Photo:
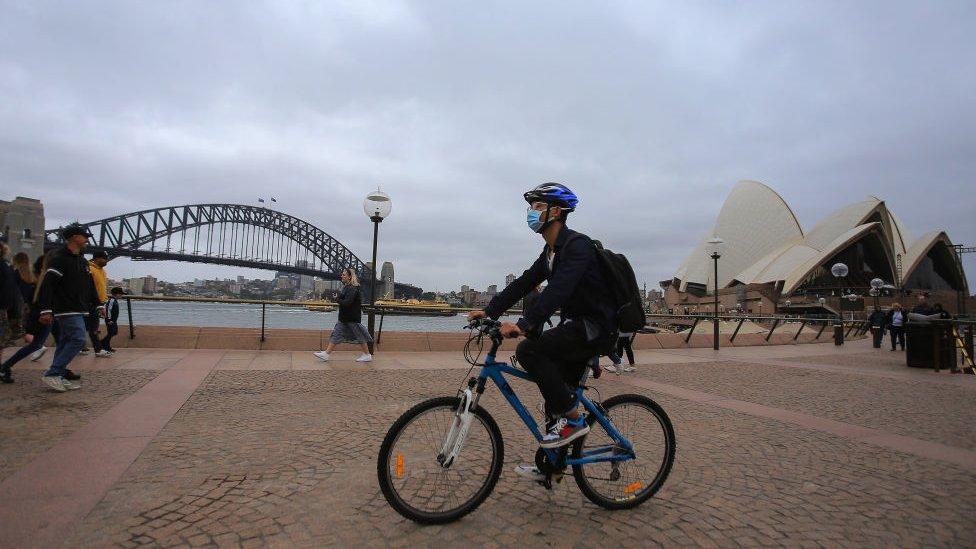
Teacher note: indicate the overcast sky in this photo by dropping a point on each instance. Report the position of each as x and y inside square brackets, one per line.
[650, 111]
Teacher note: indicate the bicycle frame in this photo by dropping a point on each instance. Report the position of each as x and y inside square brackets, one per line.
[495, 371]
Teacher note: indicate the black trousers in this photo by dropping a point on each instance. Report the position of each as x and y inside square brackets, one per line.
[113, 330]
[556, 360]
[91, 324]
[897, 336]
[624, 344]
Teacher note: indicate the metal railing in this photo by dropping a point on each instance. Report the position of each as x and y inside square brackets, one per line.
[851, 327]
[381, 311]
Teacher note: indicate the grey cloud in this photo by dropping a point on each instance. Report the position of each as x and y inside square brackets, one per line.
[650, 111]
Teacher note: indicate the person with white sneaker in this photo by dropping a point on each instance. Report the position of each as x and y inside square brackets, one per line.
[349, 328]
[67, 293]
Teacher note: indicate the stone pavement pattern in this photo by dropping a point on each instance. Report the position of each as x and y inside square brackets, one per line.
[277, 449]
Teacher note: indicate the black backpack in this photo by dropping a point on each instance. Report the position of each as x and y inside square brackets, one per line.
[620, 278]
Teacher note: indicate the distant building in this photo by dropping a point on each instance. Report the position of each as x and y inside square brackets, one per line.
[509, 279]
[143, 285]
[492, 290]
[465, 289]
[386, 279]
[22, 225]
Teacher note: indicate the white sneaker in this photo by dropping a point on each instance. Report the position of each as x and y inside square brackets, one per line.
[103, 353]
[84, 351]
[530, 472]
[610, 368]
[69, 385]
[365, 357]
[38, 354]
[628, 368]
[322, 355]
[54, 382]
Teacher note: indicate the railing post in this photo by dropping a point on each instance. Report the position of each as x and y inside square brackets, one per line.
[132, 327]
[379, 333]
[263, 307]
[736, 331]
[692, 330]
[773, 329]
[822, 328]
[797, 335]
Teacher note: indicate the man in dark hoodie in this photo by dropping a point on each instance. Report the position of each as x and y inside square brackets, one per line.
[67, 293]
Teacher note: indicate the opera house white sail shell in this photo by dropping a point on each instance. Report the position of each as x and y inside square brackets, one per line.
[765, 244]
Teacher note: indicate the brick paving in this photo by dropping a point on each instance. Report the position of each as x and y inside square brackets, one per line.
[275, 449]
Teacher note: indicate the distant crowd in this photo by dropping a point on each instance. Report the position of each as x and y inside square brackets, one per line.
[62, 294]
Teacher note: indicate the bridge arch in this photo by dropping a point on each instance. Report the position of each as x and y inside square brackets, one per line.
[223, 234]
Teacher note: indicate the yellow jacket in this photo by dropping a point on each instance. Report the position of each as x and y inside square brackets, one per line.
[101, 282]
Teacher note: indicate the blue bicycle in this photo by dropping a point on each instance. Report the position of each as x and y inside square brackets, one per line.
[442, 458]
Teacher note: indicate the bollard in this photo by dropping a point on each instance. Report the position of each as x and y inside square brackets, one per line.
[839, 334]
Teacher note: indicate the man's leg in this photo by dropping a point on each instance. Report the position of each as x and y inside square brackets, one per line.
[549, 358]
[91, 324]
[71, 340]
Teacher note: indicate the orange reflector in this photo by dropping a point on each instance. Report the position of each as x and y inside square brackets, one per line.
[399, 466]
[633, 488]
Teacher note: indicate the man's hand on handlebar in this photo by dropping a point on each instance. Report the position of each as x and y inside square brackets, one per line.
[509, 330]
[475, 315]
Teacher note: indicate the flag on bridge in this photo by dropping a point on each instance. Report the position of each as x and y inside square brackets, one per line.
[261, 200]
[273, 199]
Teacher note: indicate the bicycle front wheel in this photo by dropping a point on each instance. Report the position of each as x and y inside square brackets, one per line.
[627, 484]
[413, 480]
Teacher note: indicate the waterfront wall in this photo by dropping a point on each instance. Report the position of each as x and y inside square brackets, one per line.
[192, 337]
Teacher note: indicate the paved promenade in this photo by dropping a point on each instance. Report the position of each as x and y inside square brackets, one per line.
[800, 445]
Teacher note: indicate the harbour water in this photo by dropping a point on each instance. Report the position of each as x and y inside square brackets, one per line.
[240, 315]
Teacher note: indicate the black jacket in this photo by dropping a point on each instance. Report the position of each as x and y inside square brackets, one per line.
[67, 287]
[112, 310]
[576, 287]
[350, 304]
[8, 287]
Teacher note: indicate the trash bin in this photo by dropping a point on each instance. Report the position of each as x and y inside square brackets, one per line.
[930, 345]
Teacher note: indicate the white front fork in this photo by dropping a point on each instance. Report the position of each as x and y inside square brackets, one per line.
[458, 432]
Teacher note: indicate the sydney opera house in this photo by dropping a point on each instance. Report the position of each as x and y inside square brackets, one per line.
[769, 260]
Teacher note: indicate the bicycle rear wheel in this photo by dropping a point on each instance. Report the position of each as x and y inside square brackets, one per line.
[415, 483]
[627, 484]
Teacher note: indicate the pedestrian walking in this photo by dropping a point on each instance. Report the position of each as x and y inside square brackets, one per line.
[624, 344]
[349, 328]
[97, 267]
[895, 322]
[111, 319]
[877, 323]
[37, 333]
[25, 282]
[67, 293]
[8, 296]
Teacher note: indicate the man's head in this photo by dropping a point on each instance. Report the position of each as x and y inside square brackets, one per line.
[100, 258]
[76, 236]
[549, 203]
[923, 299]
[116, 292]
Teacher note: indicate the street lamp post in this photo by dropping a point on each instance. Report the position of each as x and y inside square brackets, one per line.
[377, 207]
[839, 270]
[715, 252]
[875, 291]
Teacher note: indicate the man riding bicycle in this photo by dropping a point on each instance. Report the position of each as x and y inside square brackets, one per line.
[577, 288]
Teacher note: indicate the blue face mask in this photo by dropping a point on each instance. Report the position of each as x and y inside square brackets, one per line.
[533, 219]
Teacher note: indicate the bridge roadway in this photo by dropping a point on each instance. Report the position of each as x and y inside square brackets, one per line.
[800, 445]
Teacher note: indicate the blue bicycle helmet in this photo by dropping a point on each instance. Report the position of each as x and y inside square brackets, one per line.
[554, 194]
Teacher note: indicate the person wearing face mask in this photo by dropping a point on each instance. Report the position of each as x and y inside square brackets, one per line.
[578, 289]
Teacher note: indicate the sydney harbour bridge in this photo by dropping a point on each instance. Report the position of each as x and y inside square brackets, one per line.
[224, 234]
